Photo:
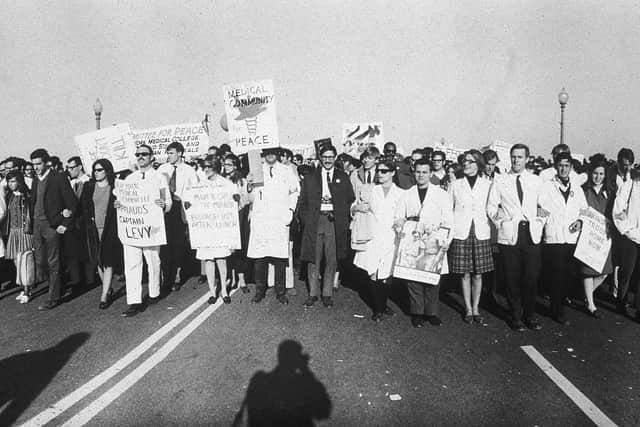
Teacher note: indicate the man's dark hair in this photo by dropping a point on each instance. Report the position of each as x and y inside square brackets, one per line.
[390, 144]
[423, 161]
[75, 159]
[41, 154]
[560, 148]
[626, 153]
[285, 152]
[519, 147]
[564, 155]
[439, 153]
[489, 155]
[326, 148]
[147, 147]
[176, 146]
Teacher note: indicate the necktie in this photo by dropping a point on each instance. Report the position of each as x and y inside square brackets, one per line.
[519, 189]
[369, 177]
[142, 175]
[329, 181]
[271, 171]
[172, 180]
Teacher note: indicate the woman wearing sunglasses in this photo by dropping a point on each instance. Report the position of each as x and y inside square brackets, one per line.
[377, 257]
[99, 227]
[470, 254]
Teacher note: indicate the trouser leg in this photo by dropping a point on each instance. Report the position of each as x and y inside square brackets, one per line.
[529, 279]
[260, 269]
[331, 259]
[279, 270]
[416, 297]
[152, 256]
[626, 255]
[313, 268]
[432, 300]
[53, 243]
[512, 262]
[133, 273]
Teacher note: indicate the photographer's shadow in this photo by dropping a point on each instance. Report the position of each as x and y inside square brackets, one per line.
[290, 395]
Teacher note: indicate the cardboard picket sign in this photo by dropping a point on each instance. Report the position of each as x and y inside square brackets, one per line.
[193, 137]
[140, 220]
[113, 143]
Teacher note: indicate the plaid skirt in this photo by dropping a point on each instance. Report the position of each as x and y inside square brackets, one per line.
[470, 255]
[17, 243]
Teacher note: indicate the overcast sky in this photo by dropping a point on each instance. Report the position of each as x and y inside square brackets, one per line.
[470, 72]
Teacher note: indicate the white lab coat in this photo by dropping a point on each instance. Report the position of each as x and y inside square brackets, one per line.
[470, 204]
[505, 210]
[272, 207]
[435, 211]
[561, 214]
[3, 213]
[378, 253]
[626, 210]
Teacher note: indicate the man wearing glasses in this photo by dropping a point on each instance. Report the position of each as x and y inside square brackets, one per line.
[325, 201]
[157, 185]
[77, 176]
[439, 171]
[51, 195]
[180, 176]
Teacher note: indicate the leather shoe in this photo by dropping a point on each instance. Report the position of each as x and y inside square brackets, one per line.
[212, 300]
[478, 319]
[50, 305]
[377, 317]
[562, 320]
[468, 319]
[257, 298]
[533, 324]
[417, 321]
[176, 287]
[282, 299]
[310, 301]
[518, 326]
[131, 311]
[327, 301]
[434, 320]
[389, 311]
[597, 314]
[226, 300]
[153, 300]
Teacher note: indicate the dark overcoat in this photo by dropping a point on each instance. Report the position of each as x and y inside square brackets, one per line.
[106, 252]
[309, 206]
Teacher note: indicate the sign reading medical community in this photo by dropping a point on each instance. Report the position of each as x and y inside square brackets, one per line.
[140, 220]
[251, 115]
[192, 136]
[113, 143]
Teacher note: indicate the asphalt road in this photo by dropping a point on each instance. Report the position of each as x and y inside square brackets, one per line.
[337, 367]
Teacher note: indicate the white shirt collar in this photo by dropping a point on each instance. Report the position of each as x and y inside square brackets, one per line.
[44, 176]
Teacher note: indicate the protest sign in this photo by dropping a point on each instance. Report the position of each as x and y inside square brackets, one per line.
[420, 254]
[113, 143]
[192, 136]
[213, 215]
[251, 115]
[594, 242]
[140, 220]
[357, 137]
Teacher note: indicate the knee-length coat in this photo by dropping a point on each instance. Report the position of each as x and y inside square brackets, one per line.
[310, 199]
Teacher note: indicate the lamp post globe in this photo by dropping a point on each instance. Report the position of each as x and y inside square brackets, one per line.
[97, 109]
[563, 98]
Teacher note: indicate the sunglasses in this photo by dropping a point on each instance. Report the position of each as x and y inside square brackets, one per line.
[72, 167]
[98, 170]
[143, 154]
[208, 166]
[229, 164]
[383, 170]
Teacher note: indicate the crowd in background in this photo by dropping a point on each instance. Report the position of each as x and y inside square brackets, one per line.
[337, 219]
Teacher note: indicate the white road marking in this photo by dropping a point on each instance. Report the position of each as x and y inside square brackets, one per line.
[596, 415]
[68, 401]
[84, 416]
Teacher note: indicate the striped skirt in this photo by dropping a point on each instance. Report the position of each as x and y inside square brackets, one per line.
[470, 255]
[17, 243]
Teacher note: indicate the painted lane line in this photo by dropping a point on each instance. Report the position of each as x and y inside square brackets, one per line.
[596, 415]
[95, 407]
[68, 401]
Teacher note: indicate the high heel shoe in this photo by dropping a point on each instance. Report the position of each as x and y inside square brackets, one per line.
[226, 300]
[105, 304]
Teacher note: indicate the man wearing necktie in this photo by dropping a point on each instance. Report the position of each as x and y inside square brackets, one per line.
[325, 200]
[513, 206]
[173, 255]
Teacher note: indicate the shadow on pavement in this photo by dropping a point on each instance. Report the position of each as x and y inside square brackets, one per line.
[290, 395]
[25, 375]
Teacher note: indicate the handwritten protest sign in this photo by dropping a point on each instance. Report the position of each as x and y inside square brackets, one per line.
[251, 115]
[213, 216]
[420, 254]
[113, 143]
[140, 220]
[192, 136]
[357, 137]
[594, 242]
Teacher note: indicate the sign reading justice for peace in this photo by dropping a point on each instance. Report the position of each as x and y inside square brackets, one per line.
[140, 220]
[251, 115]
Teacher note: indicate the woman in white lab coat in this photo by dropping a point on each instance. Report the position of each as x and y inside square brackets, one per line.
[377, 257]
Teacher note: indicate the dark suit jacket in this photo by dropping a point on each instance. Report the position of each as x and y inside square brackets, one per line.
[309, 205]
[57, 197]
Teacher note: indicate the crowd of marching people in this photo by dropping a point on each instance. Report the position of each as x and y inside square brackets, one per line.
[335, 218]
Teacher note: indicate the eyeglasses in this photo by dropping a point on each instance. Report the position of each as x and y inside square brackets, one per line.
[98, 170]
[383, 170]
[438, 160]
[327, 157]
[229, 164]
[466, 161]
[146, 154]
[72, 167]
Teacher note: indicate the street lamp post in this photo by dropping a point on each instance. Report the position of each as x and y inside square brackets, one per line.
[97, 109]
[563, 98]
